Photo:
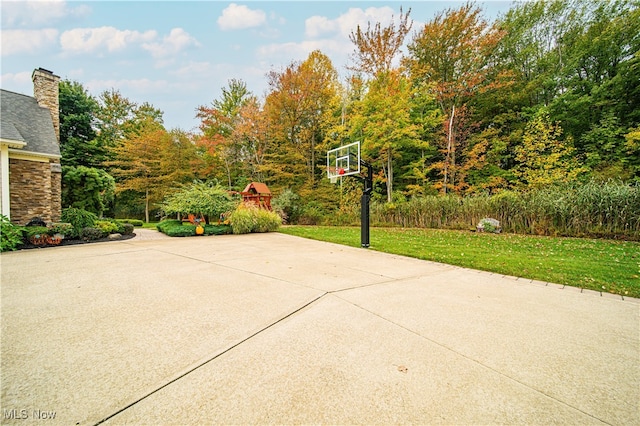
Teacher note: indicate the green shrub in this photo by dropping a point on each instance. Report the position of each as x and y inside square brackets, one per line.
[61, 228]
[91, 234]
[107, 227]
[10, 235]
[127, 229]
[201, 199]
[176, 228]
[87, 188]
[247, 218]
[288, 206]
[242, 220]
[312, 214]
[217, 229]
[34, 231]
[119, 226]
[266, 221]
[182, 231]
[134, 222]
[166, 224]
[79, 219]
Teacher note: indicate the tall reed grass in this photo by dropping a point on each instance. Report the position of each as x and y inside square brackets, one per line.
[593, 209]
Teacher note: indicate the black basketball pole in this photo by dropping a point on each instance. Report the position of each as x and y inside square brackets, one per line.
[364, 205]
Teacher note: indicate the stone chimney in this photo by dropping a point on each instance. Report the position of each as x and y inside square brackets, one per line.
[45, 90]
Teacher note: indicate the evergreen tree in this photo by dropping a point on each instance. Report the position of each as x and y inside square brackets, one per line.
[77, 126]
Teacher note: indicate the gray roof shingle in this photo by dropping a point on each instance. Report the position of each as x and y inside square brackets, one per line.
[22, 119]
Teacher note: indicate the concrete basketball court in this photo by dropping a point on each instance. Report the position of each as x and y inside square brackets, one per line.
[274, 329]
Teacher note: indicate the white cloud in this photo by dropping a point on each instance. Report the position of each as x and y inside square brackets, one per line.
[21, 81]
[280, 20]
[319, 25]
[177, 40]
[331, 36]
[204, 79]
[75, 74]
[91, 40]
[287, 52]
[348, 22]
[238, 17]
[39, 13]
[27, 41]
[193, 68]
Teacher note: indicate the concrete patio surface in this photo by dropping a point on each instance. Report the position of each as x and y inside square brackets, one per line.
[275, 329]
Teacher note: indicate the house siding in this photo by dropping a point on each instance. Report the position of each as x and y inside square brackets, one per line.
[56, 190]
[33, 191]
[30, 135]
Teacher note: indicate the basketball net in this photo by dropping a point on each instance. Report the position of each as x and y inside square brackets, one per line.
[334, 174]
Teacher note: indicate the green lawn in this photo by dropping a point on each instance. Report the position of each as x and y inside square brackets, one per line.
[602, 265]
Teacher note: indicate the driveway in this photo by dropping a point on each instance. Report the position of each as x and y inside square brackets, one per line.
[270, 328]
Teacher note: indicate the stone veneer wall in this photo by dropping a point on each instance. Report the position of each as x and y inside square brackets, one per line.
[46, 92]
[31, 191]
[56, 190]
[39, 192]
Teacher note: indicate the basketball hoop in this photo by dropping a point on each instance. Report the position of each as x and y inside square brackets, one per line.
[333, 179]
[343, 161]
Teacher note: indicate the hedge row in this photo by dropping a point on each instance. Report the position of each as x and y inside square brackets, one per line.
[176, 228]
[134, 222]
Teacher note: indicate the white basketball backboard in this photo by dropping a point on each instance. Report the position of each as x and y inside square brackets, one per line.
[343, 161]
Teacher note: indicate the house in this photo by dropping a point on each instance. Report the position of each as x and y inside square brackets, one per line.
[257, 193]
[30, 171]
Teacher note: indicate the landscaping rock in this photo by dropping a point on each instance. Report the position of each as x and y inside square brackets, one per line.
[489, 225]
[115, 236]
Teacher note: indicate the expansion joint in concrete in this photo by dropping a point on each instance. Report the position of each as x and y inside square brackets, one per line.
[208, 360]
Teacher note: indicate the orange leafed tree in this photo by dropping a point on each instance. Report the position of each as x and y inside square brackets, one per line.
[253, 133]
[382, 117]
[377, 47]
[214, 140]
[297, 105]
[152, 162]
[453, 53]
[217, 125]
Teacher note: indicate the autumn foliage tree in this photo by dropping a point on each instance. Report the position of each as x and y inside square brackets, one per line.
[547, 92]
[113, 119]
[544, 158]
[383, 115]
[384, 123]
[153, 162]
[253, 134]
[297, 106]
[217, 126]
[454, 52]
[377, 47]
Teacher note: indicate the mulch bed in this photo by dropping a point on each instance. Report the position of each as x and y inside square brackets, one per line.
[65, 242]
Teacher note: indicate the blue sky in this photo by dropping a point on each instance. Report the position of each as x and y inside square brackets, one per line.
[179, 55]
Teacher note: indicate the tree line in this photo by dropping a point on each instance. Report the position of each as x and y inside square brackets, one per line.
[547, 93]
